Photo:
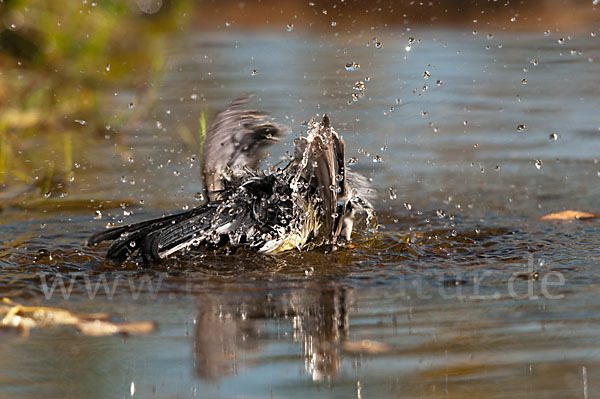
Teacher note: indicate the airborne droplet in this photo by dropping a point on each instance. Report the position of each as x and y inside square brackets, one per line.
[392, 194]
[352, 66]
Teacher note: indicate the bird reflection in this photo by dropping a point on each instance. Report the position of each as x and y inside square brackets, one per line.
[231, 326]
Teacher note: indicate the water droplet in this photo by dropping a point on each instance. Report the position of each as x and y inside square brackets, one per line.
[561, 40]
[521, 128]
[533, 62]
[538, 164]
[393, 195]
[71, 179]
[98, 215]
[497, 169]
[411, 40]
[408, 48]
[546, 33]
[352, 66]
[352, 161]
[378, 44]
[465, 123]
[377, 159]
[524, 81]
[426, 75]
[194, 96]
[333, 23]
[132, 244]
[408, 206]
[199, 197]
[335, 188]
[176, 173]
[107, 68]
[80, 121]
[123, 179]
[47, 194]
[490, 36]
[440, 213]
[360, 85]
[593, 34]
[553, 136]
[130, 105]
[474, 32]
[439, 82]
[159, 125]
[289, 27]
[254, 72]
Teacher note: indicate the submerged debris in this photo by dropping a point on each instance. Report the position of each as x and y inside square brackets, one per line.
[24, 318]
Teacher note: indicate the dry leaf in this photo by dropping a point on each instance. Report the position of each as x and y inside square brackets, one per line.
[366, 346]
[570, 215]
[98, 328]
[25, 318]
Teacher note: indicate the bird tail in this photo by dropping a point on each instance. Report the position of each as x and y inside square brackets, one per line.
[152, 239]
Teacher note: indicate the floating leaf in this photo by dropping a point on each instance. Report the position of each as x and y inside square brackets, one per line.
[24, 318]
[570, 215]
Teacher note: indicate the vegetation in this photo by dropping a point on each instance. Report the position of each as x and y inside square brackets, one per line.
[60, 63]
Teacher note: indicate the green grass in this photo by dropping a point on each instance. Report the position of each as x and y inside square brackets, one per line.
[61, 62]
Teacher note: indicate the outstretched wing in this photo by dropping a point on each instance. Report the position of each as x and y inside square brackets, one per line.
[234, 141]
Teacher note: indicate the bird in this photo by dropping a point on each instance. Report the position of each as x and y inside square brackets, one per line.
[312, 200]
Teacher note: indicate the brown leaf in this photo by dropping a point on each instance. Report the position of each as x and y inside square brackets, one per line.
[570, 215]
[366, 346]
[24, 318]
[98, 328]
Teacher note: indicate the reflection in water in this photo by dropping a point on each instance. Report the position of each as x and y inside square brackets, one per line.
[230, 325]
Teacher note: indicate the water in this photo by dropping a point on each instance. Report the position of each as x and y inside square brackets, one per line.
[463, 290]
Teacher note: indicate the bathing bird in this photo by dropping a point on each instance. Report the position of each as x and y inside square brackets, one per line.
[310, 201]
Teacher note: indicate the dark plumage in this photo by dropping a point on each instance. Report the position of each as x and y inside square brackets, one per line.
[311, 201]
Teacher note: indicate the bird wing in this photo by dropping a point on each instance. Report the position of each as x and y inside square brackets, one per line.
[234, 141]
